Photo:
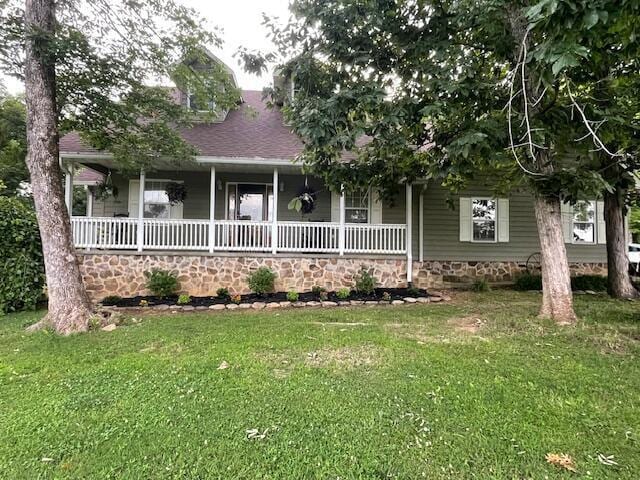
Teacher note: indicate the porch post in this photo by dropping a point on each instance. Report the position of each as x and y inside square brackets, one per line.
[341, 235]
[68, 189]
[141, 211]
[421, 225]
[409, 236]
[274, 225]
[212, 209]
[89, 201]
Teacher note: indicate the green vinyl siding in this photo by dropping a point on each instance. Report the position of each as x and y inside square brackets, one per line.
[441, 223]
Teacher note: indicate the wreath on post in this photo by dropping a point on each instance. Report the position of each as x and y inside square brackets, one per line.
[305, 201]
[176, 192]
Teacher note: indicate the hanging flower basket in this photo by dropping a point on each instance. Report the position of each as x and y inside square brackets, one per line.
[104, 189]
[176, 192]
[305, 201]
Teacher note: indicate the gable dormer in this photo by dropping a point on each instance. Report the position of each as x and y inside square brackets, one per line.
[197, 77]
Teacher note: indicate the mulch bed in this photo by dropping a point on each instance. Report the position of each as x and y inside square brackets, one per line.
[377, 295]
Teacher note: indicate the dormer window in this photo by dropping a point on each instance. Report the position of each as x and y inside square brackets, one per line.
[193, 104]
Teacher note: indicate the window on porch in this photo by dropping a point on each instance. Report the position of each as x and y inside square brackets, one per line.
[357, 206]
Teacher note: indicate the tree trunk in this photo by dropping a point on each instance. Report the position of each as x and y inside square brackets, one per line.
[69, 305]
[557, 299]
[620, 285]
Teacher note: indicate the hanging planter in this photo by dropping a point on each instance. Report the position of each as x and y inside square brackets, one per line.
[305, 201]
[105, 189]
[176, 192]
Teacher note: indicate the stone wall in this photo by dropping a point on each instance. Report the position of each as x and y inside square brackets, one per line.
[201, 275]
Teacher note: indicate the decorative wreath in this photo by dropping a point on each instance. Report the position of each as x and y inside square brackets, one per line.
[176, 192]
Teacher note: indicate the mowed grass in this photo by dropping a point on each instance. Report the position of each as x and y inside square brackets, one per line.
[477, 388]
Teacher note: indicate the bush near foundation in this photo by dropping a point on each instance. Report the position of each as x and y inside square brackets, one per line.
[365, 283]
[162, 283]
[595, 283]
[262, 281]
[22, 265]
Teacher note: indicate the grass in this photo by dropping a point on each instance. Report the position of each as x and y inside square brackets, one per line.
[477, 388]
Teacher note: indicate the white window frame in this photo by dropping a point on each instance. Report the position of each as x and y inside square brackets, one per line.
[144, 203]
[235, 184]
[211, 103]
[495, 220]
[594, 222]
[368, 190]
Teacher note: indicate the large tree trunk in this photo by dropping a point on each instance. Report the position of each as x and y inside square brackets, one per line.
[557, 299]
[69, 305]
[620, 285]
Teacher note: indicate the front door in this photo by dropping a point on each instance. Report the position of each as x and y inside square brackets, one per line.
[249, 201]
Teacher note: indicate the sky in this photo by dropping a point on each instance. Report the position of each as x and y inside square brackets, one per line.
[241, 21]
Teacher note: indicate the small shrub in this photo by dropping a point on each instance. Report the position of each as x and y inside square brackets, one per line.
[480, 285]
[343, 293]
[144, 303]
[324, 296]
[413, 291]
[184, 299]
[526, 281]
[386, 296]
[162, 283]
[596, 283]
[365, 283]
[111, 300]
[236, 299]
[293, 296]
[223, 293]
[317, 290]
[261, 281]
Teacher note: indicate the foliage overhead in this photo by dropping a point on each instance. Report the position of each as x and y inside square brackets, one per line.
[434, 87]
[110, 57]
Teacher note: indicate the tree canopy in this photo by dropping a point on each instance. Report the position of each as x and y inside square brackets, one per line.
[13, 144]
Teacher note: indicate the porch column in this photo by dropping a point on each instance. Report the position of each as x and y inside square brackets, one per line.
[141, 211]
[274, 224]
[409, 236]
[89, 201]
[212, 208]
[68, 189]
[421, 224]
[341, 234]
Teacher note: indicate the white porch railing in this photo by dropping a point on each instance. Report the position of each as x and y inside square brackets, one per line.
[237, 235]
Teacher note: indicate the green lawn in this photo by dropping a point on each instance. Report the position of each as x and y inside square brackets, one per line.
[370, 392]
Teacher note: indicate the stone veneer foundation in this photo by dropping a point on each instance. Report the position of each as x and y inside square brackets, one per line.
[122, 273]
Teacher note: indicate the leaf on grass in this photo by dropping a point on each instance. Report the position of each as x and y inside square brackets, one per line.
[223, 365]
[606, 459]
[561, 460]
[254, 434]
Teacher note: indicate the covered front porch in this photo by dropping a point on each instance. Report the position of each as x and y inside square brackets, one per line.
[237, 206]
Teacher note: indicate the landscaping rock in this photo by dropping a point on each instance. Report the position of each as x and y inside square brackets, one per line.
[299, 304]
[446, 298]
[313, 304]
[217, 306]
[371, 302]
[579, 292]
[258, 305]
[232, 306]
[410, 300]
[109, 328]
[188, 308]
[329, 304]
[244, 306]
[383, 302]
[590, 292]
[397, 302]
[435, 299]
[273, 305]
[356, 302]
[285, 304]
[201, 308]
[161, 307]
[423, 299]
[344, 303]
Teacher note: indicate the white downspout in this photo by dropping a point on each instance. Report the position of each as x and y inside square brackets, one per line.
[141, 211]
[409, 236]
[212, 209]
[274, 225]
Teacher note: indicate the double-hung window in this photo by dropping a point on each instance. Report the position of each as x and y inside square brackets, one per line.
[156, 200]
[583, 225]
[357, 206]
[483, 219]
